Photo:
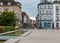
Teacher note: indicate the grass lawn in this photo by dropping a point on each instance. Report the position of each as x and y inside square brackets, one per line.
[14, 34]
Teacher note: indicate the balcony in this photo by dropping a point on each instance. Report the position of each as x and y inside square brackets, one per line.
[57, 20]
[45, 20]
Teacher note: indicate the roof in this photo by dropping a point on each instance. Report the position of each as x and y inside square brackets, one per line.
[25, 14]
[6, 0]
[56, 2]
[45, 2]
[5, 3]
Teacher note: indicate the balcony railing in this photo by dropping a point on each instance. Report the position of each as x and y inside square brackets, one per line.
[45, 20]
[57, 20]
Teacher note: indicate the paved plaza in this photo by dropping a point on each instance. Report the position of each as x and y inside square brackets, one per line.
[42, 36]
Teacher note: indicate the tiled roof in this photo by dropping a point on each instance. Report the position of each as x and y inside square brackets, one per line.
[45, 2]
[6, 0]
[55, 2]
[5, 3]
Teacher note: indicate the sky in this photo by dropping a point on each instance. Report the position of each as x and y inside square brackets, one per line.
[30, 7]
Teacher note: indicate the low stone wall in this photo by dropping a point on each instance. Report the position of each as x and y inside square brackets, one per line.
[19, 38]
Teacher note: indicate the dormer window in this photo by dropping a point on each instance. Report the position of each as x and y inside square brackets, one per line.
[9, 3]
[1, 3]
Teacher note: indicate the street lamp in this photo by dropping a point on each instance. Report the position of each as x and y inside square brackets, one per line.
[23, 18]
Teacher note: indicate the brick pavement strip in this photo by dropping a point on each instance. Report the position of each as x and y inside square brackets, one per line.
[42, 36]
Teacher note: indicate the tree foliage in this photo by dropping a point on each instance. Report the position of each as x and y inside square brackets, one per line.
[8, 19]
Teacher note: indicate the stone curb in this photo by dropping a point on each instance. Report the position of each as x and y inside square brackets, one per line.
[26, 34]
[18, 39]
[8, 32]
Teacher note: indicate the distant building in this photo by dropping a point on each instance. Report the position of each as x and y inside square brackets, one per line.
[37, 20]
[32, 23]
[48, 14]
[25, 19]
[11, 5]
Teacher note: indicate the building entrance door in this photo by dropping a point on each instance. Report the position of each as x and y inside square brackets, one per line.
[57, 25]
[53, 25]
[40, 25]
[47, 25]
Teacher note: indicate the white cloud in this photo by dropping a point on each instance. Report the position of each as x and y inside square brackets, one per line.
[33, 18]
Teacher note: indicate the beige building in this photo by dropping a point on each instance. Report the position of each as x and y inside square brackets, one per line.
[11, 5]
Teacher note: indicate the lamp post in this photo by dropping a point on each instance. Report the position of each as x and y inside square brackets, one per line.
[22, 19]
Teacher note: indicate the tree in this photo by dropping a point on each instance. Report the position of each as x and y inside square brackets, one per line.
[8, 19]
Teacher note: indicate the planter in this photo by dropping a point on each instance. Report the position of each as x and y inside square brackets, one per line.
[8, 28]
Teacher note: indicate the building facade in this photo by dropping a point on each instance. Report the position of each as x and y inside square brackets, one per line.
[11, 5]
[25, 20]
[48, 0]
[48, 14]
[56, 13]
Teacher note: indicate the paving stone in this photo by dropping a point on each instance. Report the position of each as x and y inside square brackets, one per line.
[42, 36]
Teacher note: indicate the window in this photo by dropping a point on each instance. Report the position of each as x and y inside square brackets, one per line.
[57, 17]
[40, 7]
[9, 3]
[41, 12]
[10, 8]
[50, 18]
[6, 9]
[1, 3]
[45, 7]
[57, 10]
[49, 7]
[38, 11]
[40, 24]
[50, 12]
[1, 9]
[45, 12]
[45, 17]
[57, 13]
[57, 25]
[57, 7]
[40, 18]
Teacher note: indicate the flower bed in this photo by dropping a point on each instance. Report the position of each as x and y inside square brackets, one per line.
[14, 33]
[7, 28]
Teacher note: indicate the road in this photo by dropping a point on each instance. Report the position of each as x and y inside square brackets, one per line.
[42, 36]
